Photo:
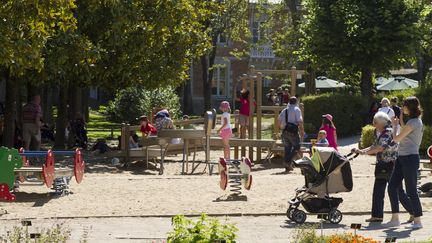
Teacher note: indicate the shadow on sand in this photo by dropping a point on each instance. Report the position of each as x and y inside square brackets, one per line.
[231, 198]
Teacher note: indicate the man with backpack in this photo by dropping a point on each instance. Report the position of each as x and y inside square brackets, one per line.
[291, 122]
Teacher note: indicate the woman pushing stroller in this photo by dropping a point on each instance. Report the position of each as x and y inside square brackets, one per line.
[386, 154]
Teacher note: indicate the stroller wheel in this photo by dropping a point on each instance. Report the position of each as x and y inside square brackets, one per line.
[299, 216]
[335, 216]
[290, 212]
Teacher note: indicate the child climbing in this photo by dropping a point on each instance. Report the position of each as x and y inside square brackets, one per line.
[225, 130]
[244, 111]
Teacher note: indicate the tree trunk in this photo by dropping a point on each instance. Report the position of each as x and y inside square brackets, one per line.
[75, 102]
[366, 82]
[10, 109]
[206, 84]
[47, 104]
[310, 86]
[187, 98]
[85, 103]
[62, 116]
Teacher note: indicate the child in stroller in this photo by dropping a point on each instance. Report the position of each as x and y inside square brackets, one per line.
[325, 172]
[78, 132]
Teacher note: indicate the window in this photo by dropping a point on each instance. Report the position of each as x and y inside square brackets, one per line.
[221, 39]
[219, 81]
[258, 31]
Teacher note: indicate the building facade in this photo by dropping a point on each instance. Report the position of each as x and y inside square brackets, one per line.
[228, 68]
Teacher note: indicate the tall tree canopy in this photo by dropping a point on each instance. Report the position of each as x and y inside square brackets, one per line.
[366, 36]
[147, 42]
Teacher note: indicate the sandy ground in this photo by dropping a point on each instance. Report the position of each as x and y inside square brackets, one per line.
[111, 192]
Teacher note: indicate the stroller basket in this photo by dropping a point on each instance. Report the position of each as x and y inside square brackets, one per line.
[321, 205]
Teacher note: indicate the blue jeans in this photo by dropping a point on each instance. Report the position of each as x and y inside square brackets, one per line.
[406, 168]
[292, 146]
[378, 198]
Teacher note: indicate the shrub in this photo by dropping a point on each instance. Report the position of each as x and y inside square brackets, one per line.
[20, 234]
[133, 102]
[348, 111]
[367, 136]
[205, 229]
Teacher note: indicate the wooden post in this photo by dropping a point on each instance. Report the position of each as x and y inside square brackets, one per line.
[258, 112]
[293, 80]
[251, 113]
[242, 131]
[236, 148]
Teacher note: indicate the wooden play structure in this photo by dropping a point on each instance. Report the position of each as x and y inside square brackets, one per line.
[14, 164]
[194, 140]
[252, 81]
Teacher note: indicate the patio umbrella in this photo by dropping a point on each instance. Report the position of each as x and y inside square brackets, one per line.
[325, 83]
[398, 83]
[381, 80]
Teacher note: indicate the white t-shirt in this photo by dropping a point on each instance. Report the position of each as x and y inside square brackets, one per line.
[389, 111]
[228, 117]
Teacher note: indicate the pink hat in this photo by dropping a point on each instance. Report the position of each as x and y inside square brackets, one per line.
[328, 116]
[224, 105]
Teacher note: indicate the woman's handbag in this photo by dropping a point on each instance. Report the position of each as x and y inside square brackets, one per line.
[384, 170]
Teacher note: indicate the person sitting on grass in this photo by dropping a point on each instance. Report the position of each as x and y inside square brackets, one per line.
[322, 139]
[147, 129]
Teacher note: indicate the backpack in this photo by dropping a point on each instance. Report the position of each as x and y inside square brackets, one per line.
[289, 130]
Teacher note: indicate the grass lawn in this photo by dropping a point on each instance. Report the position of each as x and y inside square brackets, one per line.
[98, 126]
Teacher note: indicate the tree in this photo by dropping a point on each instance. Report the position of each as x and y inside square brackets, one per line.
[228, 18]
[26, 26]
[363, 36]
[424, 61]
[150, 43]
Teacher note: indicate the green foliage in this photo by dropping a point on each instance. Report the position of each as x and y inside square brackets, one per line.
[424, 95]
[367, 136]
[356, 34]
[20, 234]
[204, 230]
[427, 138]
[25, 28]
[348, 111]
[306, 234]
[150, 43]
[133, 102]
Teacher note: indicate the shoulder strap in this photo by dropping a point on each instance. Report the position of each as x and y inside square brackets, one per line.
[388, 111]
[286, 116]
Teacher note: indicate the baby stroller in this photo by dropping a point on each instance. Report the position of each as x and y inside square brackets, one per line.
[325, 172]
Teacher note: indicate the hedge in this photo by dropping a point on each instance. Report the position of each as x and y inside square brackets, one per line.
[348, 111]
[367, 137]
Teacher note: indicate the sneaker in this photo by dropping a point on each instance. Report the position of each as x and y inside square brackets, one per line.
[392, 224]
[414, 226]
[374, 220]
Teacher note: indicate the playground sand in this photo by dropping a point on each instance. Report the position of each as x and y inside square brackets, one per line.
[111, 192]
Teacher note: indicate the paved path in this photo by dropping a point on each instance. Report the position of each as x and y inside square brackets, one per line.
[251, 229]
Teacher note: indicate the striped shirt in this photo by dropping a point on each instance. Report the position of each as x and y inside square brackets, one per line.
[31, 112]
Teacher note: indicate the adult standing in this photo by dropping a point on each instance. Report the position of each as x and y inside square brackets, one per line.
[31, 119]
[386, 153]
[385, 107]
[407, 163]
[291, 122]
[395, 107]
